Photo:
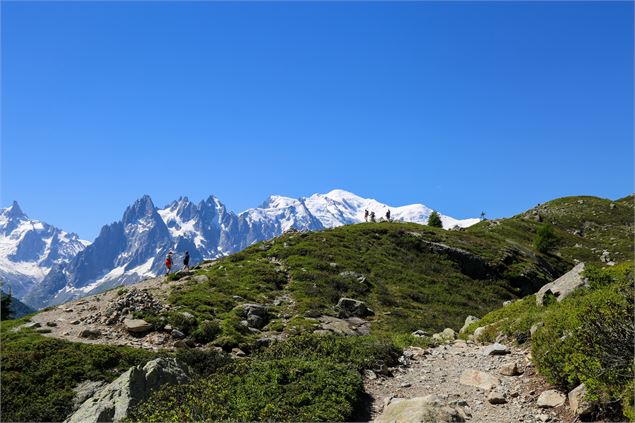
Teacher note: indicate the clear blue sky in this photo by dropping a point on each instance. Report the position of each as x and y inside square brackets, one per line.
[461, 106]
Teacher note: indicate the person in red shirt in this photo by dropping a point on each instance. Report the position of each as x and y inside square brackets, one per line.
[168, 262]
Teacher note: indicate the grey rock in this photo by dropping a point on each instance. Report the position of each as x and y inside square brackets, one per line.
[51, 324]
[534, 328]
[579, 405]
[511, 369]
[496, 397]
[551, 398]
[201, 279]
[564, 286]
[349, 307]
[420, 333]
[468, 321]
[113, 402]
[90, 333]
[478, 379]
[177, 334]
[85, 390]
[31, 325]
[420, 409]
[496, 349]
[137, 325]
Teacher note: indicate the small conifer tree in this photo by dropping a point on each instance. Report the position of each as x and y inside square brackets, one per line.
[435, 220]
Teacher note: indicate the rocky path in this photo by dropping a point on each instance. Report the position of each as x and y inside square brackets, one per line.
[98, 319]
[450, 372]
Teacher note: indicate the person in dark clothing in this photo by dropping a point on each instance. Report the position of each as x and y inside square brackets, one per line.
[366, 215]
[388, 215]
[372, 217]
[186, 261]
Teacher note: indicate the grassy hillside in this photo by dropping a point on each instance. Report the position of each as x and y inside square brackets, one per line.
[411, 276]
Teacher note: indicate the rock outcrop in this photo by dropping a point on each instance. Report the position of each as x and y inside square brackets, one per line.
[112, 402]
[564, 286]
[348, 307]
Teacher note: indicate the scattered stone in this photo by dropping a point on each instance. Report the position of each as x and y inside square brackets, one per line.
[112, 402]
[167, 328]
[468, 321]
[201, 279]
[420, 333]
[90, 333]
[496, 349]
[369, 374]
[543, 417]
[405, 385]
[137, 325]
[579, 405]
[348, 307]
[68, 310]
[564, 286]
[551, 398]
[177, 334]
[496, 397]
[506, 303]
[478, 379]
[51, 324]
[534, 328]
[238, 352]
[421, 409]
[448, 333]
[182, 344]
[510, 369]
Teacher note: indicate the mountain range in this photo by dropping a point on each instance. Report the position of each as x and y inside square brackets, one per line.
[43, 265]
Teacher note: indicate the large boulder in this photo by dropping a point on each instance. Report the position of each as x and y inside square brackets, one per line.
[564, 286]
[551, 398]
[137, 325]
[468, 321]
[421, 409]
[255, 315]
[478, 379]
[496, 349]
[112, 402]
[349, 307]
[579, 405]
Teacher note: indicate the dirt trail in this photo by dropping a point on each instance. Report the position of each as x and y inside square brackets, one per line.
[67, 321]
[438, 370]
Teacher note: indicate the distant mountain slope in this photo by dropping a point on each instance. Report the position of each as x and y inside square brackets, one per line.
[30, 248]
[133, 248]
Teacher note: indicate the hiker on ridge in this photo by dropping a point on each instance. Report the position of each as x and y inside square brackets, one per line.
[168, 262]
[186, 261]
[388, 215]
[366, 215]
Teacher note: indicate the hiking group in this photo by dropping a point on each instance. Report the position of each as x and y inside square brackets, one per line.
[371, 216]
[169, 262]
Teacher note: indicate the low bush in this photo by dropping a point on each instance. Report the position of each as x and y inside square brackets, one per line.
[289, 389]
[589, 339]
[38, 374]
[203, 362]
[206, 332]
[360, 352]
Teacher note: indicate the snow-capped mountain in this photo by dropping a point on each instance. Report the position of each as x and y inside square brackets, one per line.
[30, 248]
[135, 247]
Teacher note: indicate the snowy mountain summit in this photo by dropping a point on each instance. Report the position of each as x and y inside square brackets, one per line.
[30, 248]
[134, 247]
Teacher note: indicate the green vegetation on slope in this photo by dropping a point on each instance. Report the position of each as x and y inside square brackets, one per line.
[308, 378]
[587, 338]
[39, 373]
[412, 276]
[584, 226]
